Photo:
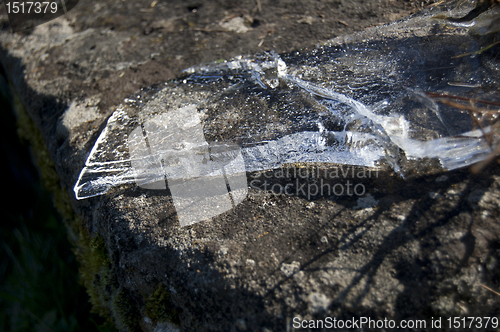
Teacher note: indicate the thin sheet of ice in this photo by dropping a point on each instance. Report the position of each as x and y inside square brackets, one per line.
[359, 101]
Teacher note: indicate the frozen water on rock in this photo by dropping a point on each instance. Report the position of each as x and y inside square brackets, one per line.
[359, 100]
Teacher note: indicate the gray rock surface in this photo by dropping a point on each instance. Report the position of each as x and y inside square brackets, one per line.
[413, 249]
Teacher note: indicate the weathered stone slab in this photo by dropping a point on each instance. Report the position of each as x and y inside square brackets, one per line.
[411, 249]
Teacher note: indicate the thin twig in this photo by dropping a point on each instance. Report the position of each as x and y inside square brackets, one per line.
[477, 115]
[477, 101]
[491, 290]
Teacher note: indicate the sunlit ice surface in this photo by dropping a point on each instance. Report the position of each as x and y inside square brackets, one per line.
[358, 100]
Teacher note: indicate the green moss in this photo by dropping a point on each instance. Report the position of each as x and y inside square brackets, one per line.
[27, 131]
[95, 267]
[158, 307]
[95, 271]
[108, 299]
[125, 312]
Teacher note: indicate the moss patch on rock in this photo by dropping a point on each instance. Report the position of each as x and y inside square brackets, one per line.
[96, 273]
[158, 307]
[124, 311]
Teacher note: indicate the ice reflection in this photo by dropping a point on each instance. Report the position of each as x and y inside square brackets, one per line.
[361, 100]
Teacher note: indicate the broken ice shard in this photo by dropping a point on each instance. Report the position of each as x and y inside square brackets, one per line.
[172, 146]
[358, 100]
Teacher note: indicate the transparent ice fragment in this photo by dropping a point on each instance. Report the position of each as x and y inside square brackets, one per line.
[360, 100]
[171, 146]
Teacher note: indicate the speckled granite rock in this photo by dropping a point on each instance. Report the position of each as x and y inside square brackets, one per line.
[411, 249]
